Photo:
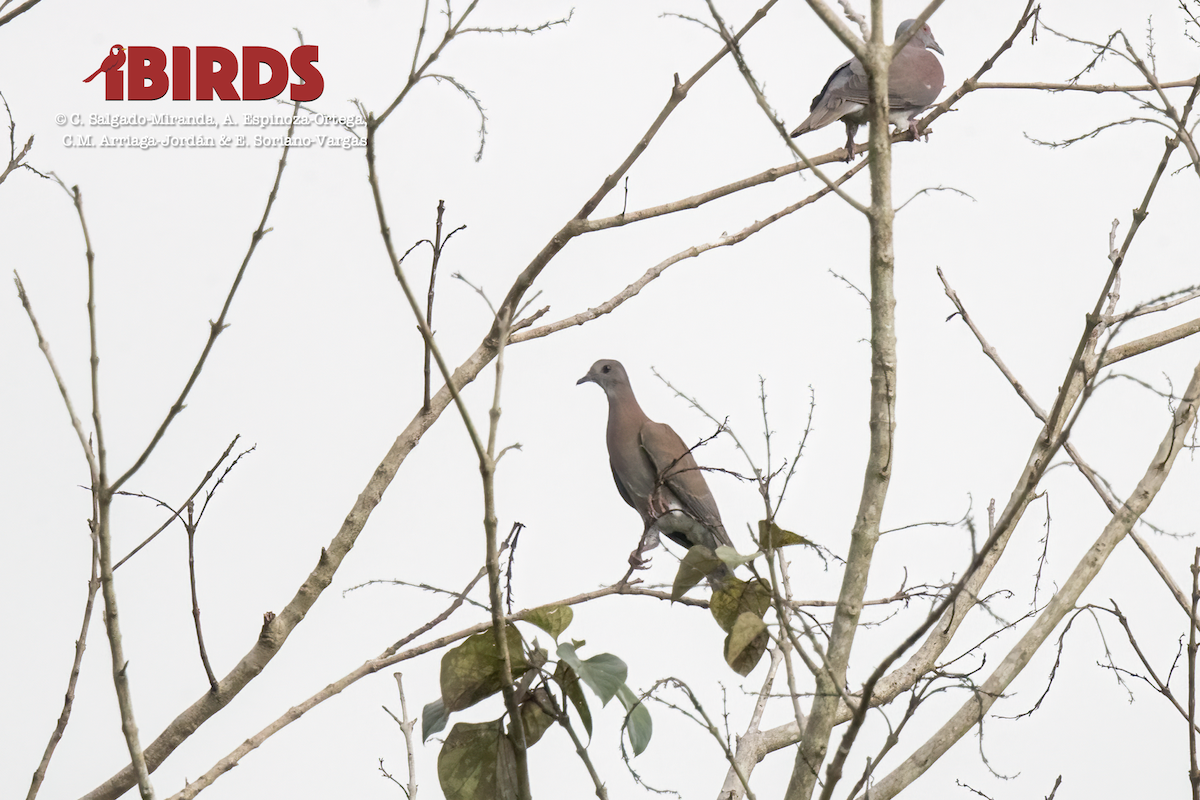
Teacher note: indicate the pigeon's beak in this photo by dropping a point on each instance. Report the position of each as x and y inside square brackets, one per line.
[935, 46]
[586, 379]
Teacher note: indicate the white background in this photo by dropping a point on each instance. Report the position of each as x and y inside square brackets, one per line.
[321, 369]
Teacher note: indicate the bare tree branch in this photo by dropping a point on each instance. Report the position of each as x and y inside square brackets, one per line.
[1061, 604]
[19, 10]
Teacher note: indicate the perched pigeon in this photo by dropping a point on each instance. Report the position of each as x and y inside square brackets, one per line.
[914, 82]
[655, 473]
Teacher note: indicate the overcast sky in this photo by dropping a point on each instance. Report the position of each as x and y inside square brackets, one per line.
[320, 370]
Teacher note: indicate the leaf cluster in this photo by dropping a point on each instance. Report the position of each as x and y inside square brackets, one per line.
[477, 760]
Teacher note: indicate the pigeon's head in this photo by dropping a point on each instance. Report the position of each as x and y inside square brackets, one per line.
[607, 374]
[924, 37]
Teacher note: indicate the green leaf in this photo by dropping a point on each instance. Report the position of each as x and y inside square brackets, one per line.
[477, 763]
[603, 673]
[573, 689]
[724, 603]
[566, 652]
[732, 558]
[537, 656]
[433, 718]
[552, 619]
[471, 671]
[738, 596]
[534, 718]
[746, 643]
[637, 719]
[698, 562]
[771, 535]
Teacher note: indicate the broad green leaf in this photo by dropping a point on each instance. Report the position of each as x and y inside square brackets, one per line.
[732, 558]
[477, 763]
[603, 673]
[771, 535]
[637, 720]
[552, 619]
[533, 718]
[471, 671]
[746, 643]
[433, 718]
[698, 562]
[569, 681]
[738, 596]
[566, 652]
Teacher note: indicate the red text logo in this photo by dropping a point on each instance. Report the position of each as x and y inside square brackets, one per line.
[213, 72]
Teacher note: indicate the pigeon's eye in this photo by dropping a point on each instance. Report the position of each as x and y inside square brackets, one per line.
[606, 368]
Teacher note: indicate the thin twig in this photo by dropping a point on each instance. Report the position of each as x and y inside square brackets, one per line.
[564, 719]
[103, 496]
[438, 244]
[177, 513]
[1194, 773]
[80, 645]
[437, 252]
[406, 728]
[44, 346]
[216, 328]
[1094, 88]
[16, 161]
[1161, 686]
[190, 525]
[704, 721]
[416, 74]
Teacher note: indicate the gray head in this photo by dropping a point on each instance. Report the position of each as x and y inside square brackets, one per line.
[924, 37]
[607, 374]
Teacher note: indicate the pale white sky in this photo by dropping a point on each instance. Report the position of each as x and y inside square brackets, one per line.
[320, 370]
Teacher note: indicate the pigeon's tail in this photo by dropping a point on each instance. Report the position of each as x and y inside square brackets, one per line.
[825, 113]
[817, 119]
